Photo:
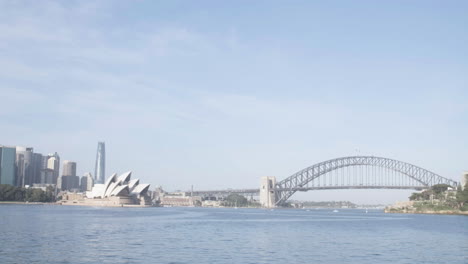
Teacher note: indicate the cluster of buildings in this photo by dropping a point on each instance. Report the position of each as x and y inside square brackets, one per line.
[116, 191]
[22, 167]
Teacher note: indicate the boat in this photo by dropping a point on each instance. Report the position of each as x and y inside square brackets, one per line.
[335, 211]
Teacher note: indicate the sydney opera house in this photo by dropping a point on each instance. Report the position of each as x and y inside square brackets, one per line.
[116, 191]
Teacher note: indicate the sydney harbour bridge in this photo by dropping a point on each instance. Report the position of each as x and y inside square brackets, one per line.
[354, 172]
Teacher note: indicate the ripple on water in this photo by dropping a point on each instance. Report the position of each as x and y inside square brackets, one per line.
[59, 234]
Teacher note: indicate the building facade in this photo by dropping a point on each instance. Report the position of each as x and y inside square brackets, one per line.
[87, 182]
[100, 167]
[37, 166]
[47, 176]
[7, 165]
[53, 163]
[24, 166]
[69, 180]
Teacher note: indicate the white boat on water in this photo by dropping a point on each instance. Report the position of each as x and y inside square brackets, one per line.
[335, 211]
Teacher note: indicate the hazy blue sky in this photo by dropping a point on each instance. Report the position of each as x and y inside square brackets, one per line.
[218, 94]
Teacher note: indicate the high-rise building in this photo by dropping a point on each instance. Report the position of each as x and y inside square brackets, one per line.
[24, 166]
[53, 163]
[47, 176]
[7, 165]
[87, 182]
[100, 167]
[69, 168]
[69, 180]
[37, 167]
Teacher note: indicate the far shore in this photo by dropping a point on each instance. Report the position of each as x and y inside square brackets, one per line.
[29, 203]
[443, 212]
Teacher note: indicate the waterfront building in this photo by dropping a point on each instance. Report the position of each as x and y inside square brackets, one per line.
[7, 165]
[116, 191]
[24, 166]
[100, 166]
[178, 199]
[87, 182]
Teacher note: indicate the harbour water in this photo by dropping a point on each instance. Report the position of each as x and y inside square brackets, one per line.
[74, 234]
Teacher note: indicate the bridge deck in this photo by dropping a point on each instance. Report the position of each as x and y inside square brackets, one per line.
[303, 189]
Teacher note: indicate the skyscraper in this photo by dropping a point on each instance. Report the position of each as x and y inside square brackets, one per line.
[69, 181]
[53, 163]
[87, 182]
[37, 166]
[69, 168]
[24, 166]
[7, 165]
[100, 168]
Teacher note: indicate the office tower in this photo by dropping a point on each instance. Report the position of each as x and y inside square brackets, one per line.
[24, 166]
[53, 163]
[47, 176]
[7, 165]
[100, 168]
[37, 166]
[69, 168]
[87, 182]
[69, 180]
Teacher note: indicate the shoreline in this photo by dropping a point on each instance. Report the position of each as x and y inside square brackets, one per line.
[28, 203]
[444, 212]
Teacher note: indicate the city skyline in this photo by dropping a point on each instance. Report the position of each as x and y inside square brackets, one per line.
[266, 91]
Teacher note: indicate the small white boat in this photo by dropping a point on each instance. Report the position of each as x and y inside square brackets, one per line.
[335, 211]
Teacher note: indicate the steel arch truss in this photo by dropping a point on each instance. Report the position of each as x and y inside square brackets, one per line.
[298, 181]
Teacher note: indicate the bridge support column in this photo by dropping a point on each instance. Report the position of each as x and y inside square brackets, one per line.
[268, 192]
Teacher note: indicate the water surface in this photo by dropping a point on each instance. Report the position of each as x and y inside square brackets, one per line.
[74, 234]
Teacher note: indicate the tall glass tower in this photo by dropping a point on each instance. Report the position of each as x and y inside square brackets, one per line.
[100, 168]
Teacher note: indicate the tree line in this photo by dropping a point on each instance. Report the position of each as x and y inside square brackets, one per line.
[19, 194]
[437, 191]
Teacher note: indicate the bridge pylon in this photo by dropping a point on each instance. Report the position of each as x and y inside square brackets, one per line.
[268, 192]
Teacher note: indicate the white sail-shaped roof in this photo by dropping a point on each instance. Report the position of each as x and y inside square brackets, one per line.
[140, 189]
[119, 186]
[125, 177]
[133, 183]
[111, 188]
[110, 180]
[120, 191]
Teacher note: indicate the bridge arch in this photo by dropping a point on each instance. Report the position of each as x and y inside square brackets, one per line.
[421, 178]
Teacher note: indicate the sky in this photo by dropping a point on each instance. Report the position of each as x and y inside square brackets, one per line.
[217, 94]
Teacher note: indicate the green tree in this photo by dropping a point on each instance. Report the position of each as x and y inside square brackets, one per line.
[439, 188]
[415, 197]
[422, 196]
[462, 196]
[236, 200]
[18, 194]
